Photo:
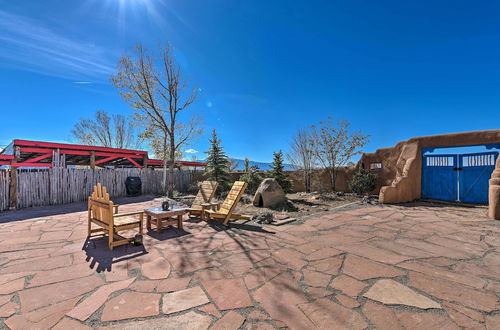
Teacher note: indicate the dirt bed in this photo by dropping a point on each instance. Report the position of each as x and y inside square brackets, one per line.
[300, 204]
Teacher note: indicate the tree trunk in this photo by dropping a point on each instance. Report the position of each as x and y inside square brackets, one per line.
[164, 183]
[332, 173]
[171, 167]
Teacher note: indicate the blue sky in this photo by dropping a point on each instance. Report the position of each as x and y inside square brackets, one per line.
[394, 69]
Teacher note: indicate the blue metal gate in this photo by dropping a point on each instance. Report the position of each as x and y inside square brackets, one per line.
[461, 178]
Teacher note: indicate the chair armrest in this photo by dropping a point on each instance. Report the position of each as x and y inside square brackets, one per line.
[215, 203]
[115, 209]
[206, 204]
[127, 214]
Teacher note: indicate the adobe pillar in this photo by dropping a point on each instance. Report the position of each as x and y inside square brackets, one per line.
[494, 193]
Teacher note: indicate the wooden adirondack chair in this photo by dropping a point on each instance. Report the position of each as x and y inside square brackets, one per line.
[204, 196]
[226, 210]
[101, 211]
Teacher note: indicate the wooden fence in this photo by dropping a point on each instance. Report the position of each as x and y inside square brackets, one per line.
[59, 185]
[4, 189]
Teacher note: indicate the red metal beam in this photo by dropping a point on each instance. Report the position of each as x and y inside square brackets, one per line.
[27, 143]
[118, 155]
[133, 162]
[4, 163]
[104, 160]
[9, 157]
[31, 164]
[36, 159]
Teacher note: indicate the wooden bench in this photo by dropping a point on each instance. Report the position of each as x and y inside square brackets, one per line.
[101, 212]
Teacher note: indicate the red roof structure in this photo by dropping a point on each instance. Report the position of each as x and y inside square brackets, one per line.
[25, 153]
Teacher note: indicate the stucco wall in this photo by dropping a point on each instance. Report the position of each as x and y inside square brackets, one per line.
[400, 176]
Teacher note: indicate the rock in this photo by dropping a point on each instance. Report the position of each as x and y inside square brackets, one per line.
[390, 292]
[264, 217]
[269, 195]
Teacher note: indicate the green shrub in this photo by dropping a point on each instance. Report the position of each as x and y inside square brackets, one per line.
[278, 172]
[363, 182]
[252, 177]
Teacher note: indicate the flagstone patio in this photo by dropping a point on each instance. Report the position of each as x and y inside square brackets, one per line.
[388, 267]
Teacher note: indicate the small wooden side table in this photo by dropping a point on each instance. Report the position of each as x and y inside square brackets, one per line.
[213, 206]
[162, 218]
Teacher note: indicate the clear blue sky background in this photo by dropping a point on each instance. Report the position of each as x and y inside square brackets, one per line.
[394, 69]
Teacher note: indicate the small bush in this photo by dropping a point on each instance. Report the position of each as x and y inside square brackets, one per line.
[252, 177]
[363, 182]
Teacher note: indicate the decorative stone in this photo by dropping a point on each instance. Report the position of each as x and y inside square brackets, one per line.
[43, 318]
[173, 284]
[348, 285]
[382, 317]
[67, 323]
[8, 309]
[191, 320]
[53, 293]
[210, 309]
[269, 194]
[363, 269]
[93, 302]
[324, 312]
[157, 269]
[228, 294]
[453, 292]
[390, 292]
[129, 305]
[264, 217]
[184, 299]
[280, 297]
[415, 320]
[231, 321]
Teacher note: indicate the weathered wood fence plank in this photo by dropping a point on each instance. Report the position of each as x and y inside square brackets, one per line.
[59, 185]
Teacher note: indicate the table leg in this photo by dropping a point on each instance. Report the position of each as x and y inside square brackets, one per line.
[148, 222]
[158, 225]
[179, 221]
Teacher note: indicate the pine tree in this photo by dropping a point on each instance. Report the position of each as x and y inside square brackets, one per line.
[217, 168]
[277, 172]
[251, 176]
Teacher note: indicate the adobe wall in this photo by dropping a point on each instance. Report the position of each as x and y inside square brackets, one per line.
[494, 193]
[400, 175]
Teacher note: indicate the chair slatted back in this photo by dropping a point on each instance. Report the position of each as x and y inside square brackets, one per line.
[233, 197]
[205, 194]
[100, 206]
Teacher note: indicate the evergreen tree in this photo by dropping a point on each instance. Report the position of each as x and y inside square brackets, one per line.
[217, 168]
[251, 176]
[277, 172]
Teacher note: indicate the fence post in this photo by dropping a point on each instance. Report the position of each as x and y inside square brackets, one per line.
[13, 188]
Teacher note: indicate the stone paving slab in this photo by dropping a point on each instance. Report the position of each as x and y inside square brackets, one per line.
[385, 267]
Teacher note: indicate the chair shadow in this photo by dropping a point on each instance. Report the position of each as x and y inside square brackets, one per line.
[102, 259]
[167, 233]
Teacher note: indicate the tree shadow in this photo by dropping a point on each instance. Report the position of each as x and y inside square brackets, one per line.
[168, 232]
[102, 259]
[52, 210]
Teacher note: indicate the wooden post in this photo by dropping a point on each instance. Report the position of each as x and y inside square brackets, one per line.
[92, 159]
[13, 180]
[145, 161]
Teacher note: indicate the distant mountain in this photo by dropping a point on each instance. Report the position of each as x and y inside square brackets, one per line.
[261, 165]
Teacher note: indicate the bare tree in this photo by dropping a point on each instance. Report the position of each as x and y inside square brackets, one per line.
[156, 89]
[114, 131]
[302, 155]
[233, 165]
[335, 145]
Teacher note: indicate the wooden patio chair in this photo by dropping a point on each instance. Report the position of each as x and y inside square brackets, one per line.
[204, 196]
[227, 208]
[101, 211]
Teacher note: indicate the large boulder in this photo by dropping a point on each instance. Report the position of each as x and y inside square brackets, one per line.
[269, 194]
